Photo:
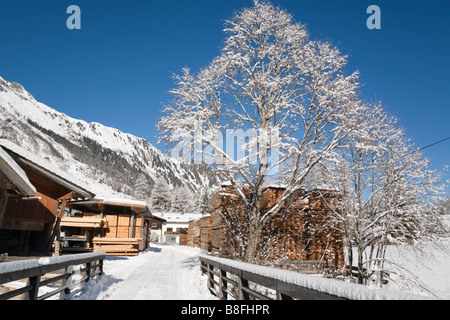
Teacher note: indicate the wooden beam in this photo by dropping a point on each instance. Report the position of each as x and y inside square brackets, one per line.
[8, 224]
[82, 222]
[116, 240]
[58, 221]
[3, 201]
[67, 196]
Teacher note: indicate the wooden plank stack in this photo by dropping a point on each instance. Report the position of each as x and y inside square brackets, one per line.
[190, 236]
[194, 232]
[199, 233]
[118, 226]
[217, 225]
[117, 246]
[305, 229]
[112, 233]
[205, 233]
[228, 224]
[183, 236]
[83, 222]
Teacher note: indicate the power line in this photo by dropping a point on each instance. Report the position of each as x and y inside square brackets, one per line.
[430, 145]
[420, 149]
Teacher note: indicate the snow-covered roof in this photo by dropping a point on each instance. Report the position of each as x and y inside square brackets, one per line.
[321, 186]
[15, 174]
[120, 201]
[44, 167]
[139, 207]
[306, 188]
[172, 217]
[279, 185]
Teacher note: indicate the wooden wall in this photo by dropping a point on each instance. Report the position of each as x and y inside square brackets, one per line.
[39, 211]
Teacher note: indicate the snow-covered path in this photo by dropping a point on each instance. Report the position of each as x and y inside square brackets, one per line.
[159, 273]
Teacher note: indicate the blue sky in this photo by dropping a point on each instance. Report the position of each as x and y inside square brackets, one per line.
[117, 69]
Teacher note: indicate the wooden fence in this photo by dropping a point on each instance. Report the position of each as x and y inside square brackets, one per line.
[58, 274]
[229, 279]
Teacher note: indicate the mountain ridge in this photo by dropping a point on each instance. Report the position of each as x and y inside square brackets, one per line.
[107, 159]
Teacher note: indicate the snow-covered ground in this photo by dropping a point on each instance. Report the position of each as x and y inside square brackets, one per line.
[428, 269]
[159, 273]
[173, 273]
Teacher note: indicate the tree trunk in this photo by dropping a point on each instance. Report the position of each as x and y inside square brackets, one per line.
[350, 258]
[252, 244]
[360, 266]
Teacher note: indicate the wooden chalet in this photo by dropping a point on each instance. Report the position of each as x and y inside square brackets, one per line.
[114, 226]
[33, 198]
[303, 231]
[14, 183]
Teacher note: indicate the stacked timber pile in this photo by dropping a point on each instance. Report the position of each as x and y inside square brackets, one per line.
[183, 236]
[205, 233]
[94, 222]
[117, 246]
[115, 239]
[199, 233]
[117, 226]
[325, 228]
[217, 226]
[194, 230]
[228, 224]
[305, 229]
[190, 236]
[78, 231]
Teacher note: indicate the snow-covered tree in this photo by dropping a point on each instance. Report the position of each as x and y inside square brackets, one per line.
[288, 91]
[387, 192]
[203, 200]
[444, 206]
[182, 200]
[142, 190]
[161, 195]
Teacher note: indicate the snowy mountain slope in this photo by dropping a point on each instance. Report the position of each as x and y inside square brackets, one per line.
[108, 160]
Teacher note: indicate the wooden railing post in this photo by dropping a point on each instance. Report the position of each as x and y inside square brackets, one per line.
[223, 285]
[281, 296]
[101, 267]
[34, 283]
[88, 271]
[68, 285]
[243, 283]
[210, 277]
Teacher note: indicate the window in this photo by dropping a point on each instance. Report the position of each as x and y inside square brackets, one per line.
[171, 239]
[170, 229]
